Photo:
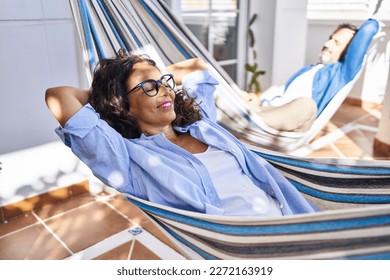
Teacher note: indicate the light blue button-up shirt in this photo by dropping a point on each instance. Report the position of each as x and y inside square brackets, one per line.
[155, 169]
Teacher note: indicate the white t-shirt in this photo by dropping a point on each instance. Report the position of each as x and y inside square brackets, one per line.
[238, 195]
[301, 86]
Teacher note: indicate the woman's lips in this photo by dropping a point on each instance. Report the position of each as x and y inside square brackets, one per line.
[165, 105]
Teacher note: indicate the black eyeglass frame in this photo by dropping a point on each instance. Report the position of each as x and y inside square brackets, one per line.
[157, 82]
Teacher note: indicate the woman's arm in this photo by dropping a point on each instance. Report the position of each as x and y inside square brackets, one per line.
[65, 101]
[182, 68]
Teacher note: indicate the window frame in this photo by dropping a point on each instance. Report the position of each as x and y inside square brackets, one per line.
[241, 31]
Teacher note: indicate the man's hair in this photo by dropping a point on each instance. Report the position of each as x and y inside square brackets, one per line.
[350, 27]
[109, 95]
[346, 25]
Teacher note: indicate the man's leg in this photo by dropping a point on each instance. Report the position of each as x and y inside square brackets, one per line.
[297, 115]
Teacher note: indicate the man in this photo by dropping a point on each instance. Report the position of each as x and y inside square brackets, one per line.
[341, 59]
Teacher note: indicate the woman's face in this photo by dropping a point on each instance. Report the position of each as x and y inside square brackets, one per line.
[154, 114]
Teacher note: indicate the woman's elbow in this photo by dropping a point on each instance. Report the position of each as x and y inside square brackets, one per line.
[199, 64]
[50, 95]
[61, 104]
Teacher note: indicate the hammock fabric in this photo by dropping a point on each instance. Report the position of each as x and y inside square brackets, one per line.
[355, 193]
[146, 27]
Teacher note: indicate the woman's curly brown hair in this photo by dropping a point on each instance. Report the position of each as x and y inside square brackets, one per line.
[109, 96]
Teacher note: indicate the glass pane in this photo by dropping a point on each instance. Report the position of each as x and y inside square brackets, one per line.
[224, 4]
[190, 5]
[198, 24]
[231, 70]
[224, 32]
[215, 24]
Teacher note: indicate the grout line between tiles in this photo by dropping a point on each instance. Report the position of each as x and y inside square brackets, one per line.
[120, 213]
[105, 245]
[131, 249]
[133, 233]
[52, 232]
[319, 143]
[19, 229]
[146, 238]
[336, 150]
[159, 248]
[324, 140]
[105, 201]
[130, 220]
[68, 211]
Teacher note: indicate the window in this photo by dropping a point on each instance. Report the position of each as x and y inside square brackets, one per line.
[347, 9]
[216, 23]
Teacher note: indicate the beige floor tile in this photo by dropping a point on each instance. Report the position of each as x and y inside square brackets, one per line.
[363, 144]
[153, 229]
[327, 151]
[129, 209]
[140, 252]
[43, 200]
[359, 146]
[17, 223]
[352, 151]
[31, 243]
[84, 226]
[64, 206]
[119, 253]
[329, 127]
[25, 206]
[369, 120]
[348, 113]
[139, 217]
[80, 188]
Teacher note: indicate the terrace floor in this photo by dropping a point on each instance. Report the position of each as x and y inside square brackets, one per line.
[74, 223]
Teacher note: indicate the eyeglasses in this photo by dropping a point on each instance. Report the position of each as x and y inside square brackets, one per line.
[151, 87]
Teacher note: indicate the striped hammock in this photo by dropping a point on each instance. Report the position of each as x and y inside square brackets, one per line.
[150, 27]
[354, 194]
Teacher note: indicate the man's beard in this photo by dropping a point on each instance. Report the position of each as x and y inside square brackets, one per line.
[326, 56]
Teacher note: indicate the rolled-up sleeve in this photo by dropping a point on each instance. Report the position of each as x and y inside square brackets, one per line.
[98, 145]
[201, 85]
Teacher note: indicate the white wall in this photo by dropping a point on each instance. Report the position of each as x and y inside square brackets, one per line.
[264, 35]
[290, 39]
[38, 50]
[280, 32]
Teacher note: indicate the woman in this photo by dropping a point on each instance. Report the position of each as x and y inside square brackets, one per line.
[142, 136]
